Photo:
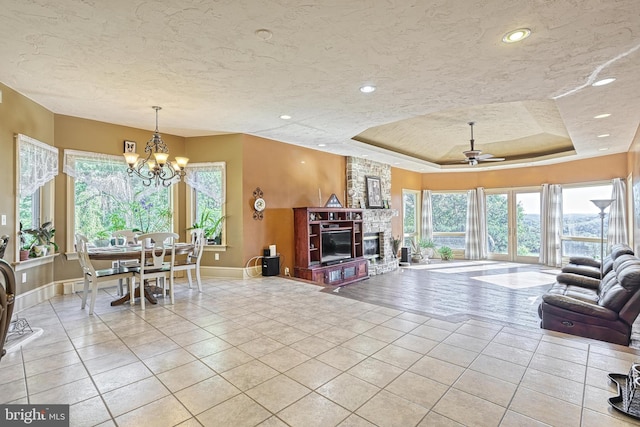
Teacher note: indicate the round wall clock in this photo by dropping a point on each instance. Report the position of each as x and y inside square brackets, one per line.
[259, 204]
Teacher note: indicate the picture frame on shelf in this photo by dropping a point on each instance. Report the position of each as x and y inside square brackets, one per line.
[129, 146]
[374, 192]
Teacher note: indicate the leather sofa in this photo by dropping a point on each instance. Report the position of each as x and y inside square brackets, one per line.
[605, 310]
[586, 266]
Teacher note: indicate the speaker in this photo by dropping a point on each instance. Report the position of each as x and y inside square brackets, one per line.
[270, 265]
[404, 255]
[266, 252]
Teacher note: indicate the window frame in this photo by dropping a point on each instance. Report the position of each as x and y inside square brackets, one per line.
[415, 236]
[191, 209]
[457, 251]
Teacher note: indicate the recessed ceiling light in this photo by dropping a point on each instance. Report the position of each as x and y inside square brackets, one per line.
[516, 35]
[604, 82]
[604, 135]
[367, 89]
[603, 149]
[263, 34]
[285, 117]
[322, 145]
[601, 116]
[302, 161]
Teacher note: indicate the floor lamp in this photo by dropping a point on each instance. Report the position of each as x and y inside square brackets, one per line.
[602, 204]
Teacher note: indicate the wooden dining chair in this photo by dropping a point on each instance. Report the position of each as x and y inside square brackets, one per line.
[125, 238]
[7, 298]
[192, 262]
[153, 264]
[93, 277]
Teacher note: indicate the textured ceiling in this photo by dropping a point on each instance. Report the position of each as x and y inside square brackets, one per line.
[436, 64]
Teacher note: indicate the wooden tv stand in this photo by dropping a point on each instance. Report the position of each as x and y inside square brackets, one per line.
[309, 224]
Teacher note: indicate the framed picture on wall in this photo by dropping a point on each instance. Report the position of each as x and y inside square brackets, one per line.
[129, 147]
[374, 192]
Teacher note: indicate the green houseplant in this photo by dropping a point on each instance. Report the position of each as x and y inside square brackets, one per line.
[42, 239]
[211, 227]
[427, 247]
[446, 253]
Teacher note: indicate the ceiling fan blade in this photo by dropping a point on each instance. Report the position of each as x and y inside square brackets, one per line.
[484, 156]
[493, 159]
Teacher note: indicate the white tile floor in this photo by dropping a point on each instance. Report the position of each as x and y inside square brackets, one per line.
[275, 352]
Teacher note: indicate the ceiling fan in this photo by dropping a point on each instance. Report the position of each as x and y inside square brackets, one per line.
[473, 156]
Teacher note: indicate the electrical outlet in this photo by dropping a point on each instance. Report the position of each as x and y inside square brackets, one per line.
[286, 271]
[216, 257]
[24, 277]
[4, 220]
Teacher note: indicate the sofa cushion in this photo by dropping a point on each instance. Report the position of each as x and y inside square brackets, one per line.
[577, 292]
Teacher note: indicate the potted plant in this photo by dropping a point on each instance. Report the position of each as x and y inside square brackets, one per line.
[395, 242]
[427, 248]
[416, 254]
[211, 228]
[25, 244]
[102, 239]
[42, 236]
[446, 253]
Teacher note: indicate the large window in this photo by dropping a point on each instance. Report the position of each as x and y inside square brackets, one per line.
[449, 219]
[106, 199]
[37, 165]
[410, 217]
[207, 204]
[581, 220]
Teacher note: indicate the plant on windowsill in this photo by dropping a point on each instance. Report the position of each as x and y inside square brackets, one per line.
[416, 254]
[427, 248]
[445, 252]
[212, 229]
[42, 236]
[25, 244]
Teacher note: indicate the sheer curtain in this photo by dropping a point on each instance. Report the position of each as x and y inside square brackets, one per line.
[476, 232]
[551, 225]
[208, 178]
[427, 219]
[617, 232]
[38, 164]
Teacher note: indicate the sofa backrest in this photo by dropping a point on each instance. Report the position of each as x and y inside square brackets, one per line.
[620, 284]
[616, 251]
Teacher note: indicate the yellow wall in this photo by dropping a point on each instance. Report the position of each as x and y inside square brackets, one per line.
[595, 169]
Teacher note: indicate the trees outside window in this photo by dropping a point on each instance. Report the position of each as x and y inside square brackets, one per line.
[449, 219]
[410, 217]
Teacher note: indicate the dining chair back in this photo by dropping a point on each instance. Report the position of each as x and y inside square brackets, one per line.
[7, 295]
[93, 277]
[192, 262]
[125, 237]
[155, 247]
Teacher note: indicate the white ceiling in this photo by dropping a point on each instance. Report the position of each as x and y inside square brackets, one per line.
[436, 64]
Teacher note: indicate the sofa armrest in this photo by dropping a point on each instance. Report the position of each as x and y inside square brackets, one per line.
[578, 280]
[577, 306]
[583, 260]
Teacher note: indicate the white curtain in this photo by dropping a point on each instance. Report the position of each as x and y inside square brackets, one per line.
[208, 178]
[427, 218]
[476, 232]
[551, 225]
[617, 232]
[38, 164]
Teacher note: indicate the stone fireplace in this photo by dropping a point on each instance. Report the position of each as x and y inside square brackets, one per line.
[376, 222]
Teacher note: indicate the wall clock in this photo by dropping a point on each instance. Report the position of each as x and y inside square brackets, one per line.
[259, 204]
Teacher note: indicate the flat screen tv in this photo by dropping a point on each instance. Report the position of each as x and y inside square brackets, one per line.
[336, 246]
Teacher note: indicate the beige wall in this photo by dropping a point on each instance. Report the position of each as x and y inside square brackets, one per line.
[19, 114]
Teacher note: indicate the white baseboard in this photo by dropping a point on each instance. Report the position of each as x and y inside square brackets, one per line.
[35, 296]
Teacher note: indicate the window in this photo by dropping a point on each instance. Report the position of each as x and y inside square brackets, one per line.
[106, 199]
[410, 217]
[207, 199]
[37, 165]
[581, 220]
[449, 219]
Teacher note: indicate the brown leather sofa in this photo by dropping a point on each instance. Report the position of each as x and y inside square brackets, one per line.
[586, 266]
[600, 309]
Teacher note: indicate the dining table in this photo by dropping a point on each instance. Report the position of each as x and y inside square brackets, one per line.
[128, 253]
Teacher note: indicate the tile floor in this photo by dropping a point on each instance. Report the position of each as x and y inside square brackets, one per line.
[276, 352]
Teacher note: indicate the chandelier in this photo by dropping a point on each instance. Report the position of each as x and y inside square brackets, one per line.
[159, 169]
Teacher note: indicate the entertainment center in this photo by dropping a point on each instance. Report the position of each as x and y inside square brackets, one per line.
[328, 245]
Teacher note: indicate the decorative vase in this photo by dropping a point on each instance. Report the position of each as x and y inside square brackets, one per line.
[40, 250]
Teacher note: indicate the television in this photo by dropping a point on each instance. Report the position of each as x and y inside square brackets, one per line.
[336, 246]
